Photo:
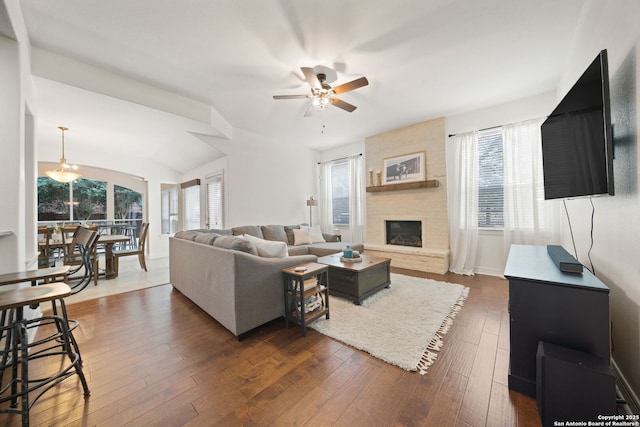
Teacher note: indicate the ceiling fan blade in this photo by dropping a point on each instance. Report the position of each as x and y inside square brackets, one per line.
[341, 104]
[309, 111]
[290, 96]
[354, 84]
[310, 75]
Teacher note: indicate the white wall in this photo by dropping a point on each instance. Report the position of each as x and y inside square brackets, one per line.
[491, 256]
[265, 183]
[16, 145]
[614, 25]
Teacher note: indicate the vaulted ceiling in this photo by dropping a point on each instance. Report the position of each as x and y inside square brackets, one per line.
[423, 59]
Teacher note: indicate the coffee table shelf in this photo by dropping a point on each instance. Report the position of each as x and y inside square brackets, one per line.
[295, 294]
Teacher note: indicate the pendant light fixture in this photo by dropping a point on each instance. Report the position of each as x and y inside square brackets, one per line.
[64, 172]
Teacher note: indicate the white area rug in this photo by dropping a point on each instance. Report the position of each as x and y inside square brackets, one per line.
[402, 325]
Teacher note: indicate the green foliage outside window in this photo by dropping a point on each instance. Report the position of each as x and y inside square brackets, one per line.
[89, 199]
[127, 203]
[52, 196]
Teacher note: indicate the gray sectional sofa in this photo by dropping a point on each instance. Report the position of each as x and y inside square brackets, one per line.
[231, 279]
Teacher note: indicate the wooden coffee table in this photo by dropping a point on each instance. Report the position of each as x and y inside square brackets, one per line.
[356, 281]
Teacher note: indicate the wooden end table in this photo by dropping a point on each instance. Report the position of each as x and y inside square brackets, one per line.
[356, 281]
[306, 296]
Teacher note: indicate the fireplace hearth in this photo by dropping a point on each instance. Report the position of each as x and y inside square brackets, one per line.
[404, 233]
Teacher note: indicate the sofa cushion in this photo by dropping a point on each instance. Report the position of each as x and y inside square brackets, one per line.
[301, 237]
[330, 248]
[314, 233]
[268, 248]
[236, 243]
[252, 230]
[288, 229]
[221, 232]
[186, 235]
[298, 250]
[206, 237]
[274, 232]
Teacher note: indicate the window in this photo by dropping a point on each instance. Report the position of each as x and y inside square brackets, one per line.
[127, 205]
[53, 200]
[490, 179]
[169, 210]
[215, 205]
[191, 195]
[340, 192]
[87, 197]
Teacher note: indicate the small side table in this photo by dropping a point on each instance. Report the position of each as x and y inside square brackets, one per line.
[306, 293]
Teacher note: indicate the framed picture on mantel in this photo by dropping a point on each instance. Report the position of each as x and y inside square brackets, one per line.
[405, 168]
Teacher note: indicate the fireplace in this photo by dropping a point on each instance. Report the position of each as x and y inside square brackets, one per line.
[404, 233]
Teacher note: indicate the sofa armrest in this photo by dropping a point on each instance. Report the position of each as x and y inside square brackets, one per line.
[330, 237]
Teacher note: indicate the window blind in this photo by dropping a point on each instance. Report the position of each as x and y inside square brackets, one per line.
[490, 179]
[215, 201]
[191, 207]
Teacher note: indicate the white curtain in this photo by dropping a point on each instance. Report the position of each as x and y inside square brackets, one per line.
[357, 212]
[356, 199]
[462, 199]
[325, 207]
[528, 218]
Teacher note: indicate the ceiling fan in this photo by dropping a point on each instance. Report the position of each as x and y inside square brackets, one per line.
[322, 94]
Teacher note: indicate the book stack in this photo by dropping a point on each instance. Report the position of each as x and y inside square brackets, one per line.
[310, 283]
[312, 303]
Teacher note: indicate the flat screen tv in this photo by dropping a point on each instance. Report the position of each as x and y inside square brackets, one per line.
[577, 138]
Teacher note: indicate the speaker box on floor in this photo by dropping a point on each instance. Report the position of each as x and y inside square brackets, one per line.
[572, 385]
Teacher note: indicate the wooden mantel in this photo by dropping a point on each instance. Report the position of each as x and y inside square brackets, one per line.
[404, 186]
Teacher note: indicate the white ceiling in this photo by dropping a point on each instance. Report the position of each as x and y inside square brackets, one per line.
[423, 59]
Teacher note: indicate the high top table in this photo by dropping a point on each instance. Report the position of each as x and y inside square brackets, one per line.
[33, 275]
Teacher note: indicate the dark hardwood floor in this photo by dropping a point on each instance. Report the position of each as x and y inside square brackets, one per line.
[154, 358]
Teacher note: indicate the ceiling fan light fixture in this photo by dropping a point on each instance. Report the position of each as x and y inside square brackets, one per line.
[64, 172]
[322, 94]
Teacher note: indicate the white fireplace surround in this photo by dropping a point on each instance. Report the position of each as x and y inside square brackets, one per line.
[426, 204]
[410, 257]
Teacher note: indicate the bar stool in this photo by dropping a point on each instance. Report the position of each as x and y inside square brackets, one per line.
[18, 353]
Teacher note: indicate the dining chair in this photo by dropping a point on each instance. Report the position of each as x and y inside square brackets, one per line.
[45, 254]
[139, 251]
[71, 254]
[85, 241]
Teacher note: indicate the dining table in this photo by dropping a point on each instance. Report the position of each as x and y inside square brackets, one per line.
[109, 240]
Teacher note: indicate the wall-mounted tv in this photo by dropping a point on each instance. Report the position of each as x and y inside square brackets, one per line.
[577, 139]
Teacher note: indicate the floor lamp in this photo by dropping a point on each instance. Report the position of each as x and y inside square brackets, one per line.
[311, 202]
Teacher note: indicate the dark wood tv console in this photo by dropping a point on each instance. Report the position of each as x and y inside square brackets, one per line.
[545, 304]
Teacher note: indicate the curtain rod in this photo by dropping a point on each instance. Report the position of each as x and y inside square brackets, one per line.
[341, 158]
[497, 126]
[479, 130]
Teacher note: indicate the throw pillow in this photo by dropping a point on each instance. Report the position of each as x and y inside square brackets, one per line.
[253, 230]
[289, 230]
[315, 234]
[206, 238]
[186, 235]
[235, 243]
[301, 237]
[274, 232]
[268, 248]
